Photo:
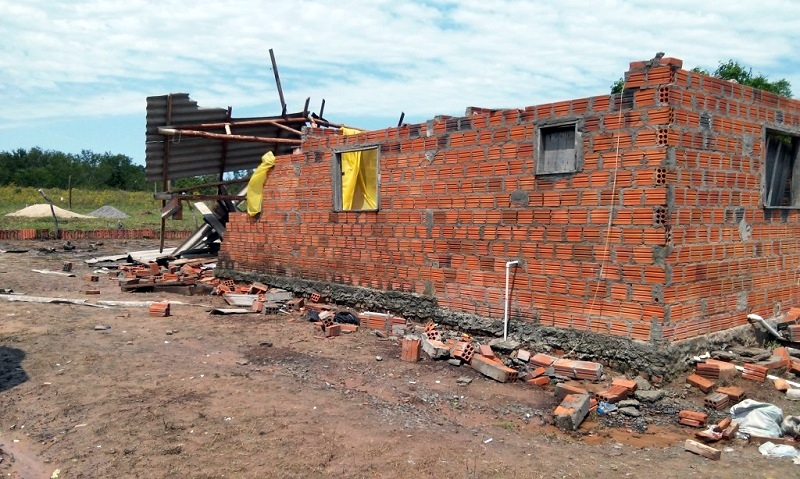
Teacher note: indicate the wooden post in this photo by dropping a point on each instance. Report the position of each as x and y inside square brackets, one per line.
[52, 210]
[277, 81]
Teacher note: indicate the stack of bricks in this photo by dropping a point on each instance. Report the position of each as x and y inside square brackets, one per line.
[754, 372]
[160, 309]
[692, 418]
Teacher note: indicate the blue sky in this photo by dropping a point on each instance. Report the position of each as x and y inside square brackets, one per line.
[75, 74]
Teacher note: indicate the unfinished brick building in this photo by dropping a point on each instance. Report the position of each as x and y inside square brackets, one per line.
[659, 214]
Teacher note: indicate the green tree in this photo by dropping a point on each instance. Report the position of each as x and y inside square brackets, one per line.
[54, 169]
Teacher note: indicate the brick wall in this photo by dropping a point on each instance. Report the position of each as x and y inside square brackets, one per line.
[731, 255]
[639, 243]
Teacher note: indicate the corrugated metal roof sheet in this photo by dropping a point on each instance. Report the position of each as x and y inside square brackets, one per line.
[192, 156]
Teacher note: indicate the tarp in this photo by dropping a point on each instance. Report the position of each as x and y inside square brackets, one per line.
[255, 188]
[359, 177]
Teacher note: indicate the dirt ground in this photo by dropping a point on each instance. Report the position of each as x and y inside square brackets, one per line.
[200, 396]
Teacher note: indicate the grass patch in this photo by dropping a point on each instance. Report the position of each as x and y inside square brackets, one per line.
[143, 209]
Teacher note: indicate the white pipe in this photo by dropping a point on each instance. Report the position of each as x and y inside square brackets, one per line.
[509, 264]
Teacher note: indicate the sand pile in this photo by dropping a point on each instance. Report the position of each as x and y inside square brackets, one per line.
[43, 210]
[108, 212]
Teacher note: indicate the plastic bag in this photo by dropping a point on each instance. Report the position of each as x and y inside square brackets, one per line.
[758, 418]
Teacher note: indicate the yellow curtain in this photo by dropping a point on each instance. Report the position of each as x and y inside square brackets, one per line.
[359, 177]
[255, 188]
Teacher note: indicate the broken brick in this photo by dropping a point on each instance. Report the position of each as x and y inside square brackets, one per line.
[524, 355]
[572, 411]
[493, 369]
[540, 381]
[563, 390]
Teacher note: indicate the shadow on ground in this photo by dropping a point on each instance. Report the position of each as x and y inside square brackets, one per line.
[11, 372]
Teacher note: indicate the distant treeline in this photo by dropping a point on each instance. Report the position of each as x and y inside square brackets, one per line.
[54, 169]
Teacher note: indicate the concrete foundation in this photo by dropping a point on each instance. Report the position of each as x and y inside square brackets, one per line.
[655, 358]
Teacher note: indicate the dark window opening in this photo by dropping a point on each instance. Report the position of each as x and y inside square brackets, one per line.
[781, 180]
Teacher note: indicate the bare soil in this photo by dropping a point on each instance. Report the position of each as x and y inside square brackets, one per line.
[200, 396]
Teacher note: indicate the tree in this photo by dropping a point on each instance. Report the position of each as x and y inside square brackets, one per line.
[53, 169]
[735, 71]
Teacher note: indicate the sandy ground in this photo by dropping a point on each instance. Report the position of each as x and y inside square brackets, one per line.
[42, 210]
[201, 396]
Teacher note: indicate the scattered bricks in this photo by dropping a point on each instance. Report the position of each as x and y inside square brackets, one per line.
[92, 278]
[221, 289]
[229, 283]
[543, 360]
[430, 326]
[572, 411]
[155, 269]
[486, 351]
[692, 418]
[700, 382]
[315, 297]
[92, 291]
[702, 450]
[781, 385]
[722, 425]
[274, 308]
[333, 330]
[716, 401]
[435, 349]
[410, 349]
[754, 372]
[613, 394]
[735, 394]
[563, 390]
[463, 350]
[628, 384]
[493, 369]
[67, 266]
[524, 355]
[160, 309]
[540, 381]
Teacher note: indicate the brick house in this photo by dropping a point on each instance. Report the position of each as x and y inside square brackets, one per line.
[659, 214]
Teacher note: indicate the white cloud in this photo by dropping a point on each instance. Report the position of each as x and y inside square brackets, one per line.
[101, 57]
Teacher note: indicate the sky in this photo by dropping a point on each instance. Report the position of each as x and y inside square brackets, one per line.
[75, 74]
